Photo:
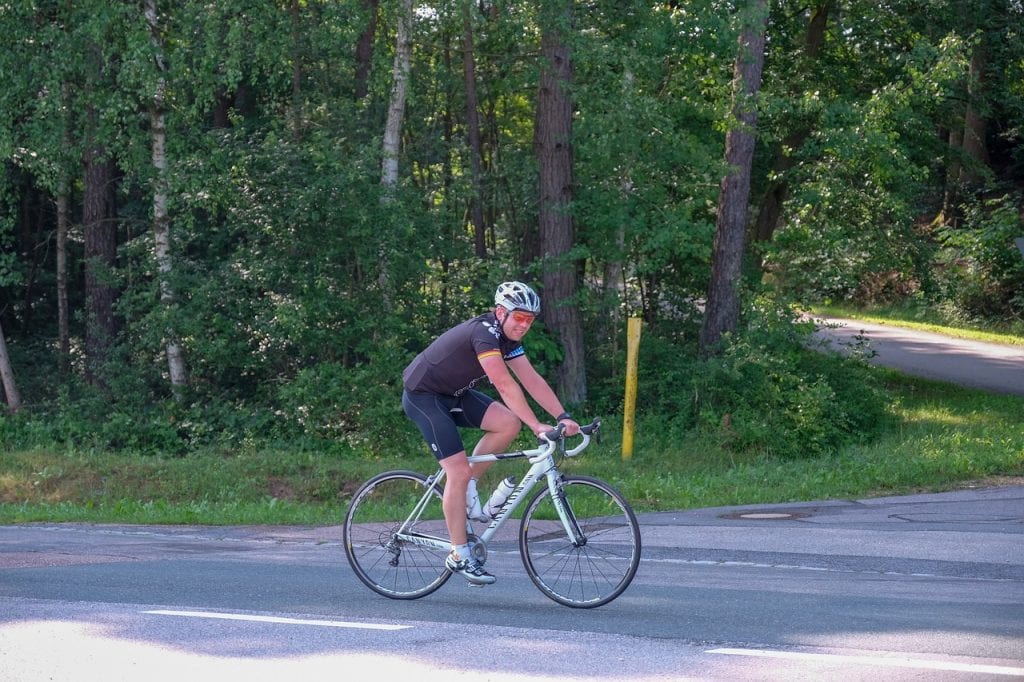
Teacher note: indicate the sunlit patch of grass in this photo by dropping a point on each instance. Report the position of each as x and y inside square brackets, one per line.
[935, 414]
[913, 319]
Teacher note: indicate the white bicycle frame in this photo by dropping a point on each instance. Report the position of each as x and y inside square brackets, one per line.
[542, 462]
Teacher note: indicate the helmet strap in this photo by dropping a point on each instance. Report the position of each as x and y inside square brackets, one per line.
[502, 319]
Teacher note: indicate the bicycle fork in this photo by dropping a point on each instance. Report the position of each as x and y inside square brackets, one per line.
[556, 486]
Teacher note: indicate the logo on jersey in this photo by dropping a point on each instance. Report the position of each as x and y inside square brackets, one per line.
[496, 332]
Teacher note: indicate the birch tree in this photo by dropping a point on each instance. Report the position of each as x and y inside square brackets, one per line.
[473, 133]
[396, 107]
[7, 377]
[161, 218]
[393, 129]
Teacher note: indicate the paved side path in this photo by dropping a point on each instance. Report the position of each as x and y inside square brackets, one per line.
[989, 366]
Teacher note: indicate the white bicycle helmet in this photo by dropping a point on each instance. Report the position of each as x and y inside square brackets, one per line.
[517, 296]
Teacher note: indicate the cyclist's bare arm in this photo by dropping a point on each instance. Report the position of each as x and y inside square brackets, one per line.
[510, 391]
[540, 390]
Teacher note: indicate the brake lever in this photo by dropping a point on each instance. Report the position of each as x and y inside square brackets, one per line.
[552, 436]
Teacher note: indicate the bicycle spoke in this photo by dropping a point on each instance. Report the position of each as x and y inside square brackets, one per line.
[385, 563]
[602, 565]
[580, 548]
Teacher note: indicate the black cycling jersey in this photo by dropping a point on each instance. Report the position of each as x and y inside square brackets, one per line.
[451, 364]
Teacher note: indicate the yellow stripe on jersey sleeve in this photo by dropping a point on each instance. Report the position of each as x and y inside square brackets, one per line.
[488, 354]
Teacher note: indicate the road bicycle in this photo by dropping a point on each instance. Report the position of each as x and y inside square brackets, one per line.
[578, 537]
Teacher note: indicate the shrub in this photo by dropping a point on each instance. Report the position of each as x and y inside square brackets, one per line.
[982, 272]
[767, 392]
[359, 406]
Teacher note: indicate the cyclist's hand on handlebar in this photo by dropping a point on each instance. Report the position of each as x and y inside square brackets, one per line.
[568, 427]
[543, 430]
[571, 427]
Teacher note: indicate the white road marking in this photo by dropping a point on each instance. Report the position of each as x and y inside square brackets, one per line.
[883, 661]
[276, 619]
[822, 569]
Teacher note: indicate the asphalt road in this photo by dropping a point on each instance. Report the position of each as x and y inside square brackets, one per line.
[927, 587]
[989, 366]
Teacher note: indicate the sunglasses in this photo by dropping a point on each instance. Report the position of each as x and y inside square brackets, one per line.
[520, 317]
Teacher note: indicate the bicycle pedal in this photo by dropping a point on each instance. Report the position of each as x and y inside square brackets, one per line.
[475, 584]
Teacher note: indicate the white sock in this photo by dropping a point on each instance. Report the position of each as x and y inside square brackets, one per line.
[461, 551]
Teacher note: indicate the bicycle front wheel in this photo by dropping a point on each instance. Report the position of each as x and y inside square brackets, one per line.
[599, 566]
[385, 563]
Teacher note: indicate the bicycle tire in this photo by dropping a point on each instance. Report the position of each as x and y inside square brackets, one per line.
[390, 567]
[591, 574]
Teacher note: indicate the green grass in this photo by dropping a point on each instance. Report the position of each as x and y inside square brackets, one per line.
[927, 320]
[947, 438]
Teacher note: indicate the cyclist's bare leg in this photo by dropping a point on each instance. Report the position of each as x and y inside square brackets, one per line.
[500, 427]
[457, 471]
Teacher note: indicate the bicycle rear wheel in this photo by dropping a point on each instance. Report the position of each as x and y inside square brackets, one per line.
[594, 571]
[387, 565]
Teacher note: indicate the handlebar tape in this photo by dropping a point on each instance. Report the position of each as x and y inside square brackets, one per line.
[556, 433]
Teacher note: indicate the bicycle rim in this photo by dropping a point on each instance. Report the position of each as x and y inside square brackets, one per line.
[388, 566]
[592, 573]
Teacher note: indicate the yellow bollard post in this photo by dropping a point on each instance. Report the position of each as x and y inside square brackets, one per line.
[632, 362]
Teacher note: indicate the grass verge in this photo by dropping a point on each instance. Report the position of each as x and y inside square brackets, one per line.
[947, 438]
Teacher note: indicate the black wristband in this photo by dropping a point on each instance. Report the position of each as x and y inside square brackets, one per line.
[564, 415]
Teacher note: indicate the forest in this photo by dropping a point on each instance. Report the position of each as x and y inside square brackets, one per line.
[226, 221]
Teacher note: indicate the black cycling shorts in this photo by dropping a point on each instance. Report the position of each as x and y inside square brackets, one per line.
[440, 416]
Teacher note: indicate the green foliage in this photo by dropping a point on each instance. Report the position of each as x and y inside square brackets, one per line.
[298, 291]
[852, 211]
[873, 178]
[947, 437]
[647, 170]
[981, 269]
[9, 262]
[767, 393]
[359, 406]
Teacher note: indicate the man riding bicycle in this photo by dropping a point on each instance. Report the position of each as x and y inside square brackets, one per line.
[439, 396]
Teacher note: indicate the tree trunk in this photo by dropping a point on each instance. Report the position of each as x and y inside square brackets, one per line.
[778, 189]
[553, 142]
[62, 199]
[951, 196]
[974, 123]
[722, 309]
[63, 329]
[396, 109]
[393, 132]
[473, 133]
[7, 377]
[161, 218]
[98, 216]
[770, 211]
[364, 49]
